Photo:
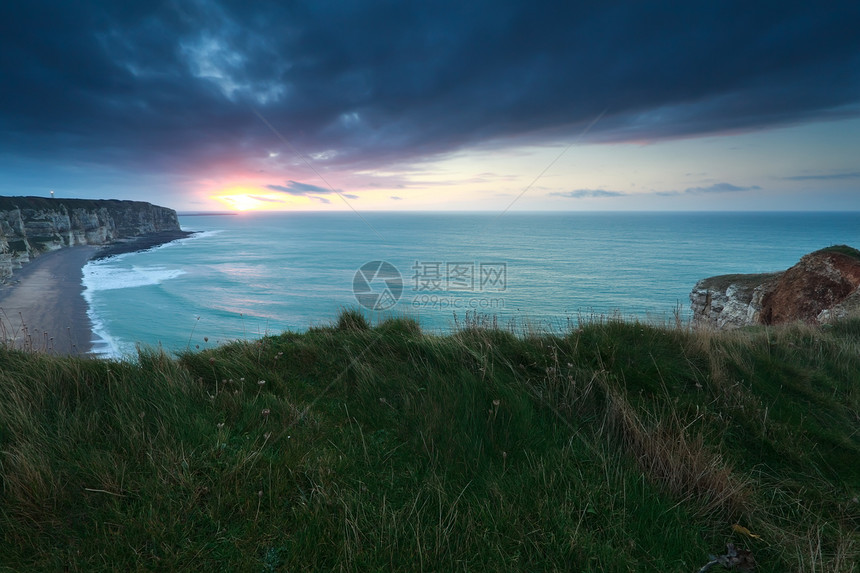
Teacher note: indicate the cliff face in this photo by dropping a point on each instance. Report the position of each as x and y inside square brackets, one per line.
[822, 286]
[30, 226]
[730, 301]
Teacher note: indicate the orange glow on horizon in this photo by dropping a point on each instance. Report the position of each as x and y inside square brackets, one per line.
[239, 202]
[251, 199]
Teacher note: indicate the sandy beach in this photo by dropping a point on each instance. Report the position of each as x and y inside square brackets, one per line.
[42, 307]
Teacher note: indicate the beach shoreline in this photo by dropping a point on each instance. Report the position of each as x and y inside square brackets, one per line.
[142, 243]
[42, 307]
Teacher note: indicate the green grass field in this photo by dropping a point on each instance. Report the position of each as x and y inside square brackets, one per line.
[620, 446]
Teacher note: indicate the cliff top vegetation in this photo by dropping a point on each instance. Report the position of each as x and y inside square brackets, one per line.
[618, 446]
[9, 203]
[841, 249]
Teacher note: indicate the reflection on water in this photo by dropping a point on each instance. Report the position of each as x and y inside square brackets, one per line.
[249, 275]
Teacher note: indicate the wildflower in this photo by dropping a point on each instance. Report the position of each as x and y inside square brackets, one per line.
[261, 383]
[741, 529]
[220, 425]
[265, 412]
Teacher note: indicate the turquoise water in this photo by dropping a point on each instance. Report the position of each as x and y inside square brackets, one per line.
[248, 275]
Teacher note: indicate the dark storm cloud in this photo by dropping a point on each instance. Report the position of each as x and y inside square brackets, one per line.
[172, 86]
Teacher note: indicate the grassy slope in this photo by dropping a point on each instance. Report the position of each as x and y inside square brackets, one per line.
[10, 203]
[842, 249]
[619, 447]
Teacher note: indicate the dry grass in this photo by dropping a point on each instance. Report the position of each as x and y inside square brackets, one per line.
[619, 446]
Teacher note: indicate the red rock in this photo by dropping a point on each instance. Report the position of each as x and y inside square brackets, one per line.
[821, 287]
[820, 281]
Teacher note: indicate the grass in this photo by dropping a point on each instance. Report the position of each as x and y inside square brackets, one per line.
[47, 203]
[618, 446]
[842, 249]
[745, 281]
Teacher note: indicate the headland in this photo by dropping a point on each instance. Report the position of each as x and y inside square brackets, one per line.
[44, 245]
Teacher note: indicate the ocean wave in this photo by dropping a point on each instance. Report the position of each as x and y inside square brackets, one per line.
[195, 237]
[104, 275]
[176, 242]
[198, 234]
[99, 277]
[103, 344]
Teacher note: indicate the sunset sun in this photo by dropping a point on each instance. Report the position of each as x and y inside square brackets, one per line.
[251, 199]
[378, 285]
[240, 202]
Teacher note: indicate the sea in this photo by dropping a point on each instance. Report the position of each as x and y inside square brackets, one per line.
[244, 276]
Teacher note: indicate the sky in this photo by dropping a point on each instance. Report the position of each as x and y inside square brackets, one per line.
[493, 105]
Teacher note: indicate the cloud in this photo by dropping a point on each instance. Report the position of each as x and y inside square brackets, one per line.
[825, 177]
[171, 87]
[396, 198]
[300, 189]
[265, 199]
[588, 193]
[715, 188]
[721, 188]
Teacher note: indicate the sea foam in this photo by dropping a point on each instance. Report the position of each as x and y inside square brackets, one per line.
[104, 275]
[99, 277]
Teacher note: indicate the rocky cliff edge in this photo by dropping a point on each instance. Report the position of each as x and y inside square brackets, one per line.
[30, 226]
[822, 286]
